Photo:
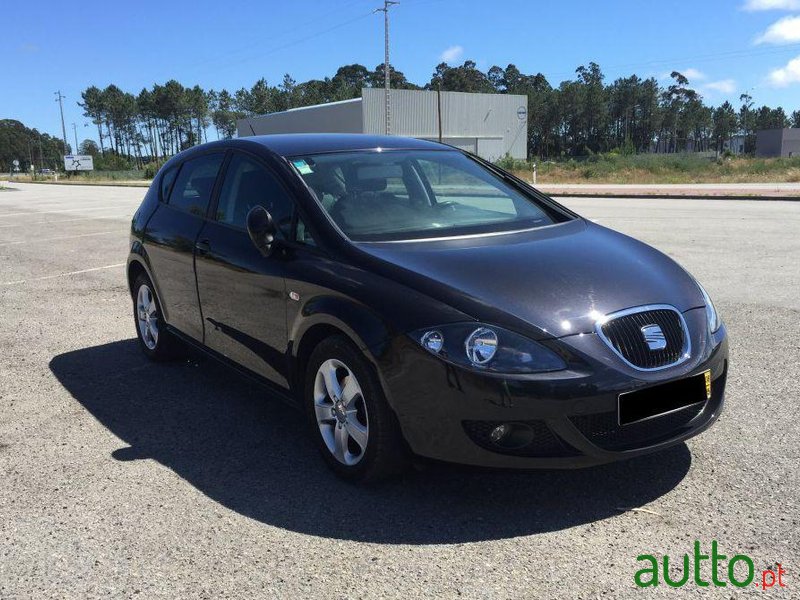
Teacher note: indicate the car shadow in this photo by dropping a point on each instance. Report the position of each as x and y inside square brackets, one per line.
[223, 435]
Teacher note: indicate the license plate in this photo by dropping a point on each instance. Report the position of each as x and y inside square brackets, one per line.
[663, 399]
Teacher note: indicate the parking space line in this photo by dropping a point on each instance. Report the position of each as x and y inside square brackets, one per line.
[61, 274]
[125, 216]
[63, 237]
[52, 212]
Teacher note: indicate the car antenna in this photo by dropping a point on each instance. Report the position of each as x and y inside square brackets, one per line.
[251, 126]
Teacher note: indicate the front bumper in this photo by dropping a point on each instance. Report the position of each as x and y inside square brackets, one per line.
[446, 412]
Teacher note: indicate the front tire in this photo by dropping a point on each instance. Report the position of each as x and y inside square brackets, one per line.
[349, 418]
[156, 341]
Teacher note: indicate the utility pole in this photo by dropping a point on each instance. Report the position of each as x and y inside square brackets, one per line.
[385, 10]
[75, 131]
[439, 109]
[59, 98]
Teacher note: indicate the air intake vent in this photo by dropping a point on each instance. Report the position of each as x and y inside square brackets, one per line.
[648, 337]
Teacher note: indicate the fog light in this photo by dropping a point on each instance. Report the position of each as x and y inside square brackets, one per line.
[499, 432]
[511, 436]
[433, 341]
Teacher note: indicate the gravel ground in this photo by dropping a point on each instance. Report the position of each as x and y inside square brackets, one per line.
[120, 478]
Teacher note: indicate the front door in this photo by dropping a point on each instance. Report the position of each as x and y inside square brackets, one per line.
[242, 292]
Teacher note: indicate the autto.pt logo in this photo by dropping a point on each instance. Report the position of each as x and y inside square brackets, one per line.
[704, 570]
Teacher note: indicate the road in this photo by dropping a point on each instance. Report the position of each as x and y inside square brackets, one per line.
[122, 478]
[697, 190]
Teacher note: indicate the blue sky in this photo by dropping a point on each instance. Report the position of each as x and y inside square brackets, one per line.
[724, 47]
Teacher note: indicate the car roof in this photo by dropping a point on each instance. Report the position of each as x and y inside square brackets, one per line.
[294, 144]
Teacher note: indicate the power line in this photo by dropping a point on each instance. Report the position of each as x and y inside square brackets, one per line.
[692, 59]
[227, 58]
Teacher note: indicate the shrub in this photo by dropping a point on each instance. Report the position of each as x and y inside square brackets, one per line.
[111, 162]
[150, 170]
[510, 163]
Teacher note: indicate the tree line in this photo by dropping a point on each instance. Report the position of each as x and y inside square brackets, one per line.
[580, 116]
[168, 118]
[28, 147]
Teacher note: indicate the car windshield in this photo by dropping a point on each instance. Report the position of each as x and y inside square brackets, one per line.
[416, 194]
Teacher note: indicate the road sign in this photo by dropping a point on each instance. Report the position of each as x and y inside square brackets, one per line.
[78, 162]
[15, 162]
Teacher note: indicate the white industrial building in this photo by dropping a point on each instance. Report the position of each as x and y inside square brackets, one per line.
[489, 125]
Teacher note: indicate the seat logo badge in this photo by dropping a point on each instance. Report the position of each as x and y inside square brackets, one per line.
[294, 296]
[654, 337]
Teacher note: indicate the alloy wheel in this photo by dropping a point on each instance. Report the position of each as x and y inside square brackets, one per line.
[341, 412]
[147, 316]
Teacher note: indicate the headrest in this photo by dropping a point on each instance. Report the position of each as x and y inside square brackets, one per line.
[376, 184]
[203, 185]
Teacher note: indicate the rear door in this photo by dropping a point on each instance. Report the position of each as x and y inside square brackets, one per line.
[171, 236]
[242, 292]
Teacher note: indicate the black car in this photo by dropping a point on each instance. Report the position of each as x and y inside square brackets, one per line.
[414, 299]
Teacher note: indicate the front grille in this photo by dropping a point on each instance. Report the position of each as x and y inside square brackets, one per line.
[625, 336]
[603, 430]
[544, 443]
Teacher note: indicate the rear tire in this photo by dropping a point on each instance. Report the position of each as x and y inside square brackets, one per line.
[156, 341]
[348, 416]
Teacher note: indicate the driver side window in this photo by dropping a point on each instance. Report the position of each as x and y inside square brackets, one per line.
[248, 184]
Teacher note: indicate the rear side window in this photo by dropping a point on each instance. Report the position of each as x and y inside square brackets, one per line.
[167, 179]
[248, 184]
[192, 189]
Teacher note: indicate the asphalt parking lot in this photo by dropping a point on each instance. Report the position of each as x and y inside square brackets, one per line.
[120, 478]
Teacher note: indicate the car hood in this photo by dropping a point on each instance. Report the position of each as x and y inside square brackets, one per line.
[552, 281]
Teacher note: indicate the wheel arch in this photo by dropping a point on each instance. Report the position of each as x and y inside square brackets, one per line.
[135, 268]
[324, 317]
[138, 264]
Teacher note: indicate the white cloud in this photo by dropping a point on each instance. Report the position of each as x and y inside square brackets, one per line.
[724, 86]
[453, 53]
[785, 75]
[753, 5]
[690, 73]
[782, 31]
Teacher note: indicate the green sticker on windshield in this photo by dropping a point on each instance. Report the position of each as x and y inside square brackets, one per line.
[302, 166]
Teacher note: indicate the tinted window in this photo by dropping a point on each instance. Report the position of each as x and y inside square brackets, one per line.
[455, 185]
[303, 234]
[248, 184]
[411, 194]
[192, 189]
[167, 179]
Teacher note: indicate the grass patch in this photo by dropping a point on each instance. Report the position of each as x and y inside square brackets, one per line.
[660, 168]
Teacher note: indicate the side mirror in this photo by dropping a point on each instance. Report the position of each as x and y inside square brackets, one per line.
[261, 229]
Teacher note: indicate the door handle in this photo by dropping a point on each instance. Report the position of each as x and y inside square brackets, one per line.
[203, 247]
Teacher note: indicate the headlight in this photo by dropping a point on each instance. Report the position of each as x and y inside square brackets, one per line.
[712, 317]
[481, 346]
[432, 340]
[488, 348]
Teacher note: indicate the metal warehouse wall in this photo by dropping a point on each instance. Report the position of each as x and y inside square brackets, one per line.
[778, 142]
[769, 142]
[791, 142]
[336, 117]
[489, 124]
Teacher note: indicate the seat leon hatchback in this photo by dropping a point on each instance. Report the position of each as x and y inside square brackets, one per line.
[415, 300]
